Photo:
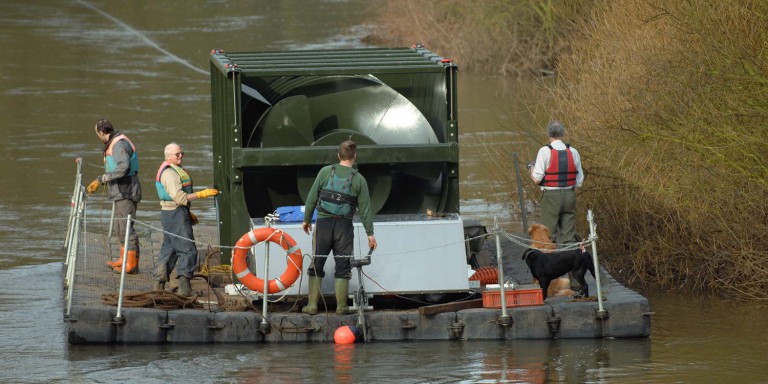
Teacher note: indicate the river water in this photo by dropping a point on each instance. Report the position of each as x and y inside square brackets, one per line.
[143, 65]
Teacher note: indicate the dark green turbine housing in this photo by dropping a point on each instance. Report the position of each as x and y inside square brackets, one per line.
[278, 117]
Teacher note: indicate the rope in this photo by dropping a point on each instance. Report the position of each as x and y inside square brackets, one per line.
[206, 269]
[519, 240]
[524, 242]
[152, 299]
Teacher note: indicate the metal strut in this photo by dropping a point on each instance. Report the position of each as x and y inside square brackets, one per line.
[360, 300]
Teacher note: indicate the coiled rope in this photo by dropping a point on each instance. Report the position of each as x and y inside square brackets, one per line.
[155, 299]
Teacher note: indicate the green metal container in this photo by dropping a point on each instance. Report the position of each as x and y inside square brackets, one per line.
[278, 117]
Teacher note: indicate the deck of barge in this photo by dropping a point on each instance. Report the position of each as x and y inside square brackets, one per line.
[220, 318]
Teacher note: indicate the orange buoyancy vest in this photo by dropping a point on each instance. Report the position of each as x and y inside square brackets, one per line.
[561, 171]
[109, 162]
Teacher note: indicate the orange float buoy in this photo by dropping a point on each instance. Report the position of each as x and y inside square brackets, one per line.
[346, 334]
[277, 236]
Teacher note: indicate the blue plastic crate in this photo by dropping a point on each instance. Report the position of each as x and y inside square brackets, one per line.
[293, 214]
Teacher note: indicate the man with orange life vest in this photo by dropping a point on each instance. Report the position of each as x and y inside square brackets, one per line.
[174, 187]
[121, 163]
[558, 171]
[338, 191]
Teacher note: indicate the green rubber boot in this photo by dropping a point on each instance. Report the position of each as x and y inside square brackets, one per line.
[184, 288]
[341, 286]
[313, 295]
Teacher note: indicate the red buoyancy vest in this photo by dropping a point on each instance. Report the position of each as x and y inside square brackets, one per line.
[561, 171]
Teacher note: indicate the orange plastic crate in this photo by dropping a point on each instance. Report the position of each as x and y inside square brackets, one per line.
[514, 298]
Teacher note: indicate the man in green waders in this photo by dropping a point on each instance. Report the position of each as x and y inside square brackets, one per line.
[337, 192]
[558, 172]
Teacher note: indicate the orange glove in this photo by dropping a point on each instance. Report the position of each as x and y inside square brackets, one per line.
[206, 193]
[93, 186]
[193, 219]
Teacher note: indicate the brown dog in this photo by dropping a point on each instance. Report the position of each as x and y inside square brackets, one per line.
[541, 239]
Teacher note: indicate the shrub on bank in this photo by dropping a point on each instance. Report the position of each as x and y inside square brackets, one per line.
[504, 37]
[666, 100]
[669, 105]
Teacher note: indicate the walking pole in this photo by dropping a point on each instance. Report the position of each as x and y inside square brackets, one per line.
[593, 239]
[504, 319]
[119, 317]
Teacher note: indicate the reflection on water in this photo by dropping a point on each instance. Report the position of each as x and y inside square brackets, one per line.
[67, 64]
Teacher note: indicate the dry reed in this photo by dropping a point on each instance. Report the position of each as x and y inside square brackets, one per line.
[493, 36]
[667, 102]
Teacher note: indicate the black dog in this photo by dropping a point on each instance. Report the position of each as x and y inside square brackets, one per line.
[546, 267]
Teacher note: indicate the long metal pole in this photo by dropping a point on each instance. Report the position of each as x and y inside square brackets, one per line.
[122, 272]
[500, 266]
[77, 198]
[73, 208]
[266, 284]
[520, 196]
[111, 220]
[72, 232]
[593, 237]
[73, 264]
[75, 237]
[71, 269]
[268, 221]
[361, 300]
[73, 244]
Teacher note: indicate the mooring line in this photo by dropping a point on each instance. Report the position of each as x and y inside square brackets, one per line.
[144, 38]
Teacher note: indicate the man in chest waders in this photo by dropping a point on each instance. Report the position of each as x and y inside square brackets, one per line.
[558, 172]
[337, 192]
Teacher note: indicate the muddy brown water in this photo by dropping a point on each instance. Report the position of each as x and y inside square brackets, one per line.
[143, 64]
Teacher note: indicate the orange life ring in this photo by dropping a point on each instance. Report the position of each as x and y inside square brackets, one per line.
[248, 278]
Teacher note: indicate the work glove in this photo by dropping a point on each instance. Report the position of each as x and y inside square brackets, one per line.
[193, 219]
[207, 193]
[93, 186]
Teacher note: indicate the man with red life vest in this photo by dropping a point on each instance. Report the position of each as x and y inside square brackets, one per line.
[121, 163]
[558, 171]
[174, 187]
[338, 191]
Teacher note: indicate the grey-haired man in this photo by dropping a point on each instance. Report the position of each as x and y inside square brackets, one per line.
[558, 172]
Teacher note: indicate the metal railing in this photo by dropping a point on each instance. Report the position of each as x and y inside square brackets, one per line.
[72, 240]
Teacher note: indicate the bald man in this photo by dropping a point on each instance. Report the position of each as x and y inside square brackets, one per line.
[174, 187]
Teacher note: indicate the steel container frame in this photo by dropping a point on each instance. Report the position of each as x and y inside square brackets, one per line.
[427, 80]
